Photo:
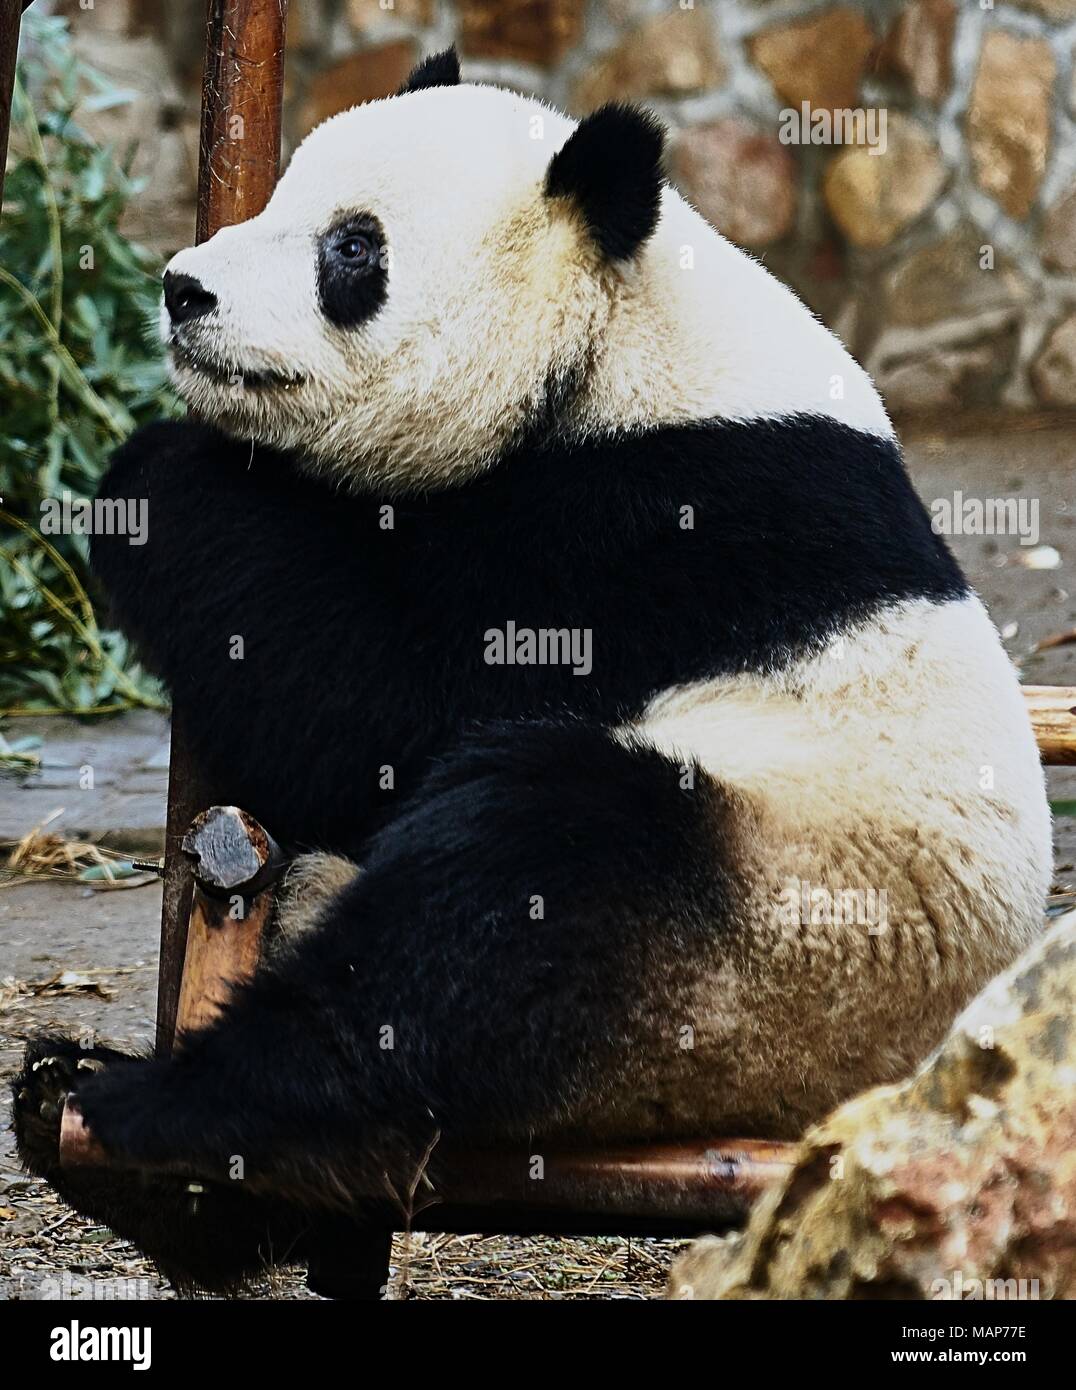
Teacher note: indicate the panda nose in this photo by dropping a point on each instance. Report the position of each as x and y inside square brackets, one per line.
[186, 298]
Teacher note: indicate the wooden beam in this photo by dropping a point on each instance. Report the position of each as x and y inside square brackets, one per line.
[686, 1184]
[239, 159]
[682, 1181]
[234, 864]
[189, 791]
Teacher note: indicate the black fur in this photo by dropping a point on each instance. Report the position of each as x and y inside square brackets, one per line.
[438, 70]
[610, 167]
[363, 648]
[503, 1021]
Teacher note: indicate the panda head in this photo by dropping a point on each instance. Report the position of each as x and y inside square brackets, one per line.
[445, 272]
[433, 277]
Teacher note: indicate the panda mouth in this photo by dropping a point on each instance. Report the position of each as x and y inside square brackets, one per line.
[234, 376]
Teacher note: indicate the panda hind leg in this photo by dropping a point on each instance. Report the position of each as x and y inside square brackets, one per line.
[478, 982]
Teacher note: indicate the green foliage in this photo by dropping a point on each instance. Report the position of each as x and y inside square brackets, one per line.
[79, 369]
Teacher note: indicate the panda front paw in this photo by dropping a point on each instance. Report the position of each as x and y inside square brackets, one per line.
[52, 1067]
[201, 1236]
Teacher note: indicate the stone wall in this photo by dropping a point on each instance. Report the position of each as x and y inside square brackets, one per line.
[923, 201]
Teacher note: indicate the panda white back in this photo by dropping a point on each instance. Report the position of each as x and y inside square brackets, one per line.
[703, 331]
[899, 850]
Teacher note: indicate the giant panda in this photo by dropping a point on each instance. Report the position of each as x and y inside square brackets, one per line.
[546, 577]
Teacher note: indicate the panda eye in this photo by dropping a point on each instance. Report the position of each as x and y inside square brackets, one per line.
[352, 270]
[355, 249]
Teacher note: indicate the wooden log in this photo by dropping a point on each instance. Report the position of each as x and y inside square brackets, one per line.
[239, 158]
[701, 1180]
[1053, 719]
[682, 1185]
[230, 853]
[221, 950]
[234, 863]
[189, 791]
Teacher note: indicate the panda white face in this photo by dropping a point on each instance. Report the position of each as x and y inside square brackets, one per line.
[439, 272]
[406, 300]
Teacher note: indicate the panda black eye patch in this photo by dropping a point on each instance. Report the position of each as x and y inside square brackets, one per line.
[352, 280]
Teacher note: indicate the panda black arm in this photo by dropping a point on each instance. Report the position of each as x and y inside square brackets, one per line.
[250, 598]
[185, 475]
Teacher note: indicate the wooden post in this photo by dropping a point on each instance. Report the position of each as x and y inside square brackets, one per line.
[188, 793]
[242, 92]
[684, 1185]
[239, 158]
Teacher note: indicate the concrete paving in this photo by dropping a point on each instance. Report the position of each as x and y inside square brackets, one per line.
[109, 780]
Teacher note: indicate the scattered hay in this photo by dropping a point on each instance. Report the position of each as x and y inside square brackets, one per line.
[11, 991]
[469, 1268]
[65, 983]
[44, 854]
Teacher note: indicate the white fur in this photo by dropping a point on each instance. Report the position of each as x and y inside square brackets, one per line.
[491, 285]
[909, 726]
[898, 758]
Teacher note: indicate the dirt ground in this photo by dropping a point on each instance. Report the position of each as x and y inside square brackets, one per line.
[106, 944]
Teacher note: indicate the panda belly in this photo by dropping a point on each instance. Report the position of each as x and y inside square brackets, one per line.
[892, 852]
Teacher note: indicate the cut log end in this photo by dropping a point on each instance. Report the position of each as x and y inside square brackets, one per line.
[230, 852]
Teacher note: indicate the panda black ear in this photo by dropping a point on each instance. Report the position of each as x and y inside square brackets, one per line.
[610, 166]
[438, 70]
